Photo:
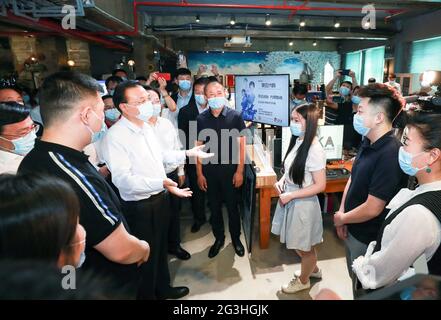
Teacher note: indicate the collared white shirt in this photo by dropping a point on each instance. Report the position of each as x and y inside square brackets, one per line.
[395, 85]
[169, 140]
[136, 160]
[413, 233]
[9, 162]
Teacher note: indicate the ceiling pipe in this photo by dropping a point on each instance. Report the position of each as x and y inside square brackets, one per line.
[53, 27]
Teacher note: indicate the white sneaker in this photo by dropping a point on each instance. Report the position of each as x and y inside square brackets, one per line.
[317, 275]
[295, 285]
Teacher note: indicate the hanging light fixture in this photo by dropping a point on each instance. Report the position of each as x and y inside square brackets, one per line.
[302, 22]
[267, 20]
[198, 18]
[314, 43]
[232, 21]
[291, 43]
[336, 23]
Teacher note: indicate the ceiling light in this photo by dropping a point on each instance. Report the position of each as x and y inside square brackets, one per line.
[70, 63]
[155, 52]
[131, 62]
[206, 51]
[232, 21]
[257, 51]
[314, 43]
[268, 20]
[198, 19]
[291, 43]
[223, 51]
[302, 23]
[336, 24]
[243, 51]
[367, 24]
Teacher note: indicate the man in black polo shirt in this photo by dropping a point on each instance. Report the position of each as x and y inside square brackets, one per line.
[186, 120]
[376, 175]
[220, 128]
[73, 113]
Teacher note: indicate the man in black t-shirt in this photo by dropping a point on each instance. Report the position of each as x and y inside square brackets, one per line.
[220, 128]
[73, 113]
[376, 175]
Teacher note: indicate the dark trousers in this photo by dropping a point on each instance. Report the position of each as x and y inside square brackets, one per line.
[149, 220]
[220, 187]
[174, 230]
[198, 198]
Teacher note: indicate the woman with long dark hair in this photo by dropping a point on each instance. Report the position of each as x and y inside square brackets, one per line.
[412, 228]
[298, 218]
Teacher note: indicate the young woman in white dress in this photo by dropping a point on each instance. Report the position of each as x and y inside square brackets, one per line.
[298, 217]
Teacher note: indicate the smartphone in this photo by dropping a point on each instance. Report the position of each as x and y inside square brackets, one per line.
[337, 99]
[166, 76]
[345, 72]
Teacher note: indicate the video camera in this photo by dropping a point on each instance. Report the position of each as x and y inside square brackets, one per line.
[430, 103]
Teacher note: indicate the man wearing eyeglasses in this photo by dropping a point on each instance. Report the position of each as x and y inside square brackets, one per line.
[17, 135]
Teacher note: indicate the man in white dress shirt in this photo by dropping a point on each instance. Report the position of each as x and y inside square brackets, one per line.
[17, 135]
[392, 81]
[136, 161]
[169, 140]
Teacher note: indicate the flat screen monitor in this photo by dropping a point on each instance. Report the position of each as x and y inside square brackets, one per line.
[263, 98]
[331, 139]
[248, 206]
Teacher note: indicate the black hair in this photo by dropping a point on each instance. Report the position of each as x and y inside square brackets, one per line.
[201, 81]
[12, 112]
[116, 79]
[347, 82]
[182, 72]
[141, 78]
[310, 113]
[301, 89]
[119, 96]
[428, 125]
[252, 83]
[114, 72]
[38, 280]
[39, 217]
[372, 80]
[61, 93]
[388, 98]
[107, 96]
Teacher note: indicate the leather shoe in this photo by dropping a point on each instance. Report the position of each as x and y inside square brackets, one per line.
[238, 247]
[180, 253]
[174, 293]
[196, 227]
[215, 248]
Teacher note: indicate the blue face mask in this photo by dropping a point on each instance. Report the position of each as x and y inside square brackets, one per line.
[96, 136]
[344, 91]
[355, 99]
[156, 109]
[23, 145]
[200, 99]
[297, 102]
[145, 111]
[405, 160]
[296, 129]
[111, 92]
[217, 103]
[112, 114]
[359, 126]
[184, 85]
[407, 293]
[82, 259]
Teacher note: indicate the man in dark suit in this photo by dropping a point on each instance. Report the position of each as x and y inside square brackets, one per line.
[188, 135]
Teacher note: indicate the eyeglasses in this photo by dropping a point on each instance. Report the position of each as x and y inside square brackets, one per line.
[34, 127]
